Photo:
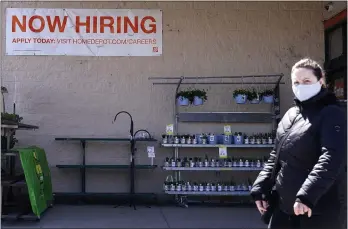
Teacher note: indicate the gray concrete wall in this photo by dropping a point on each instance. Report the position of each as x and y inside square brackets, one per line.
[78, 96]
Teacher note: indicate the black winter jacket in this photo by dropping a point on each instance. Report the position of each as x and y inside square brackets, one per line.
[312, 157]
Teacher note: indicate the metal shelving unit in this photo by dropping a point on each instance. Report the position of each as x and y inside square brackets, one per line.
[211, 168]
[13, 207]
[272, 117]
[216, 146]
[132, 139]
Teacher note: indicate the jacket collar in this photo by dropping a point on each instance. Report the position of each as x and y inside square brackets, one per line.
[323, 98]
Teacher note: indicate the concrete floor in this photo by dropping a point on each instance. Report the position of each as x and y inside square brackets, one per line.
[92, 216]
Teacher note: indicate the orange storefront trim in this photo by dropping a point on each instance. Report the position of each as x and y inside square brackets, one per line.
[336, 19]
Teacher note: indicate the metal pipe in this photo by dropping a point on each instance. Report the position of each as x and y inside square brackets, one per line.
[176, 128]
[217, 83]
[214, 77]
[143, 130]
[132, 123]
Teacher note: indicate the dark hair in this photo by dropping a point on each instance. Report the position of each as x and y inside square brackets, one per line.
[312, 65]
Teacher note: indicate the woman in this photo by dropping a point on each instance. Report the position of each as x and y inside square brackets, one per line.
[311, 146]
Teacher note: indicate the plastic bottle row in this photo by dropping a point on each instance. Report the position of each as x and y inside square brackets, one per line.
[236, 138]
[182, 186]
[212, 162]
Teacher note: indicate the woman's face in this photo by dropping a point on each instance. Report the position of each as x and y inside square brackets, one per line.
[304, 76]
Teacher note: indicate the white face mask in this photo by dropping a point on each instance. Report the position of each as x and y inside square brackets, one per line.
[304, 92]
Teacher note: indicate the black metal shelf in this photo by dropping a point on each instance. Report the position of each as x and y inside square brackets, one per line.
[272, 117]
[132, 140]
[105, 166]
[104, 139]
[226, 117]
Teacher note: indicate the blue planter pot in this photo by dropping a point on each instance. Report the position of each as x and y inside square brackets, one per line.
[199, 139]
[255, 101]
[212, 139]
[182, 101]
[268, 99]
[220, 139]
[238, 140]
[197, 101]
[227, 139]
[240, 99]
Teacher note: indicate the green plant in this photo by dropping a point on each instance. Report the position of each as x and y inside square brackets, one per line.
[11, 117]
[252, 94]
[199, 93]
[267, 92]
[186, 94]
[240, 92]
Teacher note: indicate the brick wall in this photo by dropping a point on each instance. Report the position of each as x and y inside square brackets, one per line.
[74, 96]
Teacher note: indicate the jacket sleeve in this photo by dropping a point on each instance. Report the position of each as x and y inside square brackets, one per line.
[331, 161]
[262, 185]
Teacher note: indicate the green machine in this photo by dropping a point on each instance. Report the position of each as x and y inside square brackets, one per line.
[38, 178]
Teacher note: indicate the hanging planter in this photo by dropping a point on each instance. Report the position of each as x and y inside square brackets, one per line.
[253, 97]
[198, 97]
[183, 98]
[240, 96]
[268, 96]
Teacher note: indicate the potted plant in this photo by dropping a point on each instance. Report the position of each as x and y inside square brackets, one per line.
[178, 163]
[172, 186]
[253, 96]
[201, 187]
[213, 187]
[204, 139]
[212, 139]
[166, 162]
[198, 97]
[217, 163]
[246, 139]
[230, 163]
[249, 184]
[258, 163]
[264, 139]
[188, 139]
[258, 139]
[200, 163]
[166, 186]
[186, 162]
[182, 139]
[173, 163]
[178, 186]
[164, 139]
[241, 163]
[240, 96]
[192, 163]
[195, 187]
[269, 139]
[183, 98]
[188, 187]
[238, 138]
[176, 139]
[219, 187]
[246, 163]
[234, 162]
[252, 140]
[183, 186]
[267, 96]
[207, 187]
[194, 140]
[232, 186]
[206, 161]
[226, 187]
